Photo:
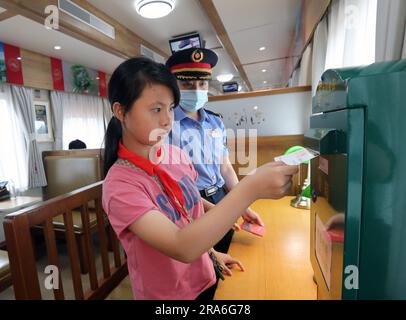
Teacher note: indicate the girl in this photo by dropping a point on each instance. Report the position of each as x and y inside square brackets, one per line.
[149, 193]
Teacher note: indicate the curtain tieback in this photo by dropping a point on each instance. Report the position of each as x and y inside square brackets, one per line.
[32, 137]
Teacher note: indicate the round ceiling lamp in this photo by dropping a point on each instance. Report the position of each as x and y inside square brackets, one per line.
[154, 9]
[225, 77]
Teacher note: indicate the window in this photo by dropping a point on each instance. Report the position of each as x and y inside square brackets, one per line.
[14, 156]
[351, 33]
[83, 119]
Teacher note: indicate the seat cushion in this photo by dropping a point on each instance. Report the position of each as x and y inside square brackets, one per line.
[123, 291]
[77, 221]
[4, 264]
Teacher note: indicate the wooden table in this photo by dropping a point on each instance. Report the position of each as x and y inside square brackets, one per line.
[277, 266]
[13, 205]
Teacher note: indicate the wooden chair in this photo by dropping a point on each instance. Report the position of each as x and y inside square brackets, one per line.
[23, 264]
[5, 273]
[65, 172]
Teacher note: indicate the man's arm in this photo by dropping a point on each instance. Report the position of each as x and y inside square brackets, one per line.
[231, 180]
[228, 174]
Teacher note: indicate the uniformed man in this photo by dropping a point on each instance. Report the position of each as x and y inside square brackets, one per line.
[201, 134]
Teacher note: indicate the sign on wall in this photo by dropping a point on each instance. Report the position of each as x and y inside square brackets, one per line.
[11, 57]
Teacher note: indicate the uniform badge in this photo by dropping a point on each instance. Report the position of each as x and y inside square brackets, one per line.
[215, 133]
[197, 56]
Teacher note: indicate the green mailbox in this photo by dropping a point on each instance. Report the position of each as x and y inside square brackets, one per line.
[358, 183]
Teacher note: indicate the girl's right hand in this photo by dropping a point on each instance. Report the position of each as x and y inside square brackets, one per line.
[272, 180]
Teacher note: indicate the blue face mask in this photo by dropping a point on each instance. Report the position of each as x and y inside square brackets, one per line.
[193, 100]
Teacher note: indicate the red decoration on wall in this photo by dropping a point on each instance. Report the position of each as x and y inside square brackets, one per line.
[102, 84]
[57, 74]
[14, 71]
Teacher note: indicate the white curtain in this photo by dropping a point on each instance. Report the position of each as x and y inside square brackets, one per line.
[404, 47]
[305, 73]
[83, 119]
[14, 155]
[107, 113]
[23, 102]
[351, 33]
[294, 80]
[390, 37]
[57, 119]
[319, 53]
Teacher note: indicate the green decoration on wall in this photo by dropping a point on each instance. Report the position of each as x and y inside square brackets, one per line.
[82, 81]
[3, 73]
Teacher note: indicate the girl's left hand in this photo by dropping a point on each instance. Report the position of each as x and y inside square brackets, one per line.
[227, 262]
[253, 217]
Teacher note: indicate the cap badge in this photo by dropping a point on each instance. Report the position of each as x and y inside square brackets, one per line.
[197, 56]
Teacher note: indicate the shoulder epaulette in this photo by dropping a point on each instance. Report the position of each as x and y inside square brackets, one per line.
[213, 113]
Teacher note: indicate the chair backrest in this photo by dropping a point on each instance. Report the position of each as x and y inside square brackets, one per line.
[78, 153]
[26, 270]
[67, 173]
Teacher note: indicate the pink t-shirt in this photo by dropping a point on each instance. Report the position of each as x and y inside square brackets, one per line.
[127, 195]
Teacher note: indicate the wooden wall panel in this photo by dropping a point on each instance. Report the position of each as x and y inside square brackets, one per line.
[259, 93]
[313, 12]
[108, 77]
[37, 71]
[270, 147]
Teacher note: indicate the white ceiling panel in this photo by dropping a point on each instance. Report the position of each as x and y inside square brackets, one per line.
[240, 15]
[260, 23]
[249, 24]
[248, 42]
[272, 75]
[186, 17]
[34, 36]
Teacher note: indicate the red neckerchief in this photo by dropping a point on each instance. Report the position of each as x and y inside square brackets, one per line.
[172, 188]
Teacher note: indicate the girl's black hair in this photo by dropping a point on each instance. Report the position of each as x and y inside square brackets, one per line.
[125, 86]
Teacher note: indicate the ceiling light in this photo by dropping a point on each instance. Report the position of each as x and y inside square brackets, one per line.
[153, 9]
[265, 82]
[262, 48]
[57, 47]
[264, 70]
[18, 58]
[225, 77]
[256, 108]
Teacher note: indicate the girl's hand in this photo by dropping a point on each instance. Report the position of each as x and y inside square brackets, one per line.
[252, 217]
[271, 181]
[227, 262]
[236, 227]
